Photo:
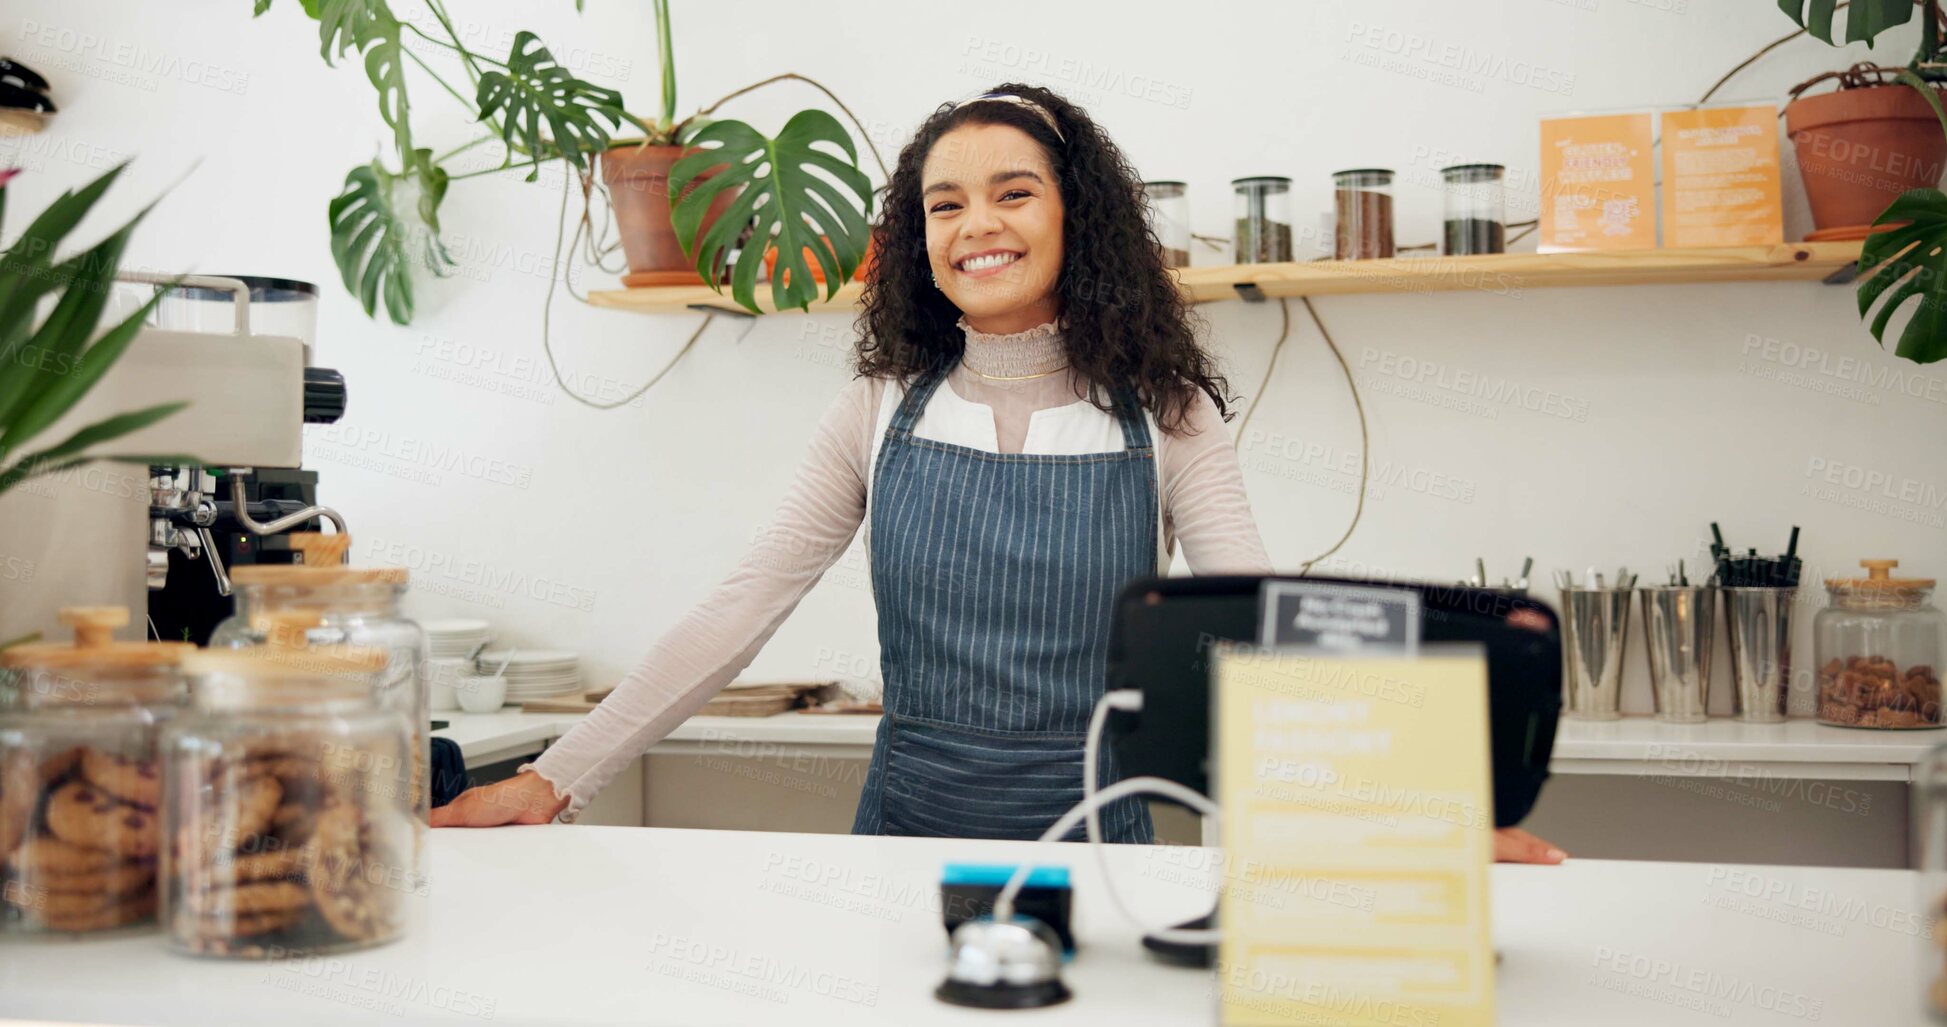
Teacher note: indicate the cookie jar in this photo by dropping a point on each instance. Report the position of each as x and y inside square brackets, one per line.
[353, 606]
[288, 832]
[1879, 648]
[79, 781]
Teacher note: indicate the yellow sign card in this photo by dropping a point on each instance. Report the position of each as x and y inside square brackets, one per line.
[1720, 177]
[1360, 789]
[1597, 189]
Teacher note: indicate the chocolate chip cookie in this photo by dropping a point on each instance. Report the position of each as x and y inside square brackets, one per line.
[81, 814]
[135, 781]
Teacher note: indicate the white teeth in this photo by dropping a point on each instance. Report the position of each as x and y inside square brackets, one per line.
[990, 260]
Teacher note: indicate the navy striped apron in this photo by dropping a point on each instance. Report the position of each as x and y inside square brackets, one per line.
[994, 575]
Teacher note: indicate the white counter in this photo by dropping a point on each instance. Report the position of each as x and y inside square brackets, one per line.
[1632, 746]
[591, 925]
[492, 737]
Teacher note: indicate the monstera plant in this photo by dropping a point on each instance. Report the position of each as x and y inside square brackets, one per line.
[538, 111]
[1905, 256]
[50, 355]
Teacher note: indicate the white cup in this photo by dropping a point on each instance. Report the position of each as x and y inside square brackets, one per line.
[442, 676]
[482, 693]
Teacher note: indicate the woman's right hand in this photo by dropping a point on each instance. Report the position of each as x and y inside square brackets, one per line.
[525, 798]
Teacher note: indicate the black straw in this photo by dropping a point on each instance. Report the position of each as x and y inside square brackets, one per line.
[1751, 570]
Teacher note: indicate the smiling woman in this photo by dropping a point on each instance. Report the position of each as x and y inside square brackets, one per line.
[1023, 173]
[1020, 442]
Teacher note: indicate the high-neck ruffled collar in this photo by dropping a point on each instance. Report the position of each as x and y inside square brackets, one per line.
[1017, 354]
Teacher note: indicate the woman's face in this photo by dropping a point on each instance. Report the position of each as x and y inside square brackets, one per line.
[993, 226]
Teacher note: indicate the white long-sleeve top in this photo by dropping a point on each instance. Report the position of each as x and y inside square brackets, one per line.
[1202, 506]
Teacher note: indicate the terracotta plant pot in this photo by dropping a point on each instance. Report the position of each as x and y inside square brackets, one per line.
[637, 178]
[1859, 149]
[817, 269]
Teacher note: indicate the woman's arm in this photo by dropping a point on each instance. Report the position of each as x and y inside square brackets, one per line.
[710, 645]
[1203, 496]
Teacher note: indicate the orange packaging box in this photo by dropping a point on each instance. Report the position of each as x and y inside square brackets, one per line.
[1720, 177]
[1597, 186]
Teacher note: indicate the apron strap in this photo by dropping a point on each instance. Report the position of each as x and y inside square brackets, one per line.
[1129, 411]
[910, 408]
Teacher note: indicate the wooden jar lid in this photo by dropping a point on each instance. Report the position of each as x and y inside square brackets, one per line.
[94, 644]
[287, 652]
[1879, 578]
[324, 564]
[273, 662]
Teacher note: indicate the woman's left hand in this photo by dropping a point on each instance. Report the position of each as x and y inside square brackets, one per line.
[1513, 845]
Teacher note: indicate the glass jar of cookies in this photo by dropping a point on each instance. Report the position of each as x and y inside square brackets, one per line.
[1879, 647]
[288, 832]
[356, 606]
[79, 780]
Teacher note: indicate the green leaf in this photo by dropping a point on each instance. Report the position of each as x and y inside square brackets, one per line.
[29, 469]
[385, 66]
[1927, 91]
[788, 205]
[371, 244]
[345, 25]
[259, 8]
[535, 90]
[63, 388]
[34, 251]
[34, 393]
[666, 54]
[1907, 262]
[1865, 19]
[369, 27]
[50, 371]
[104, 430]
[687, 131]
[433, 180]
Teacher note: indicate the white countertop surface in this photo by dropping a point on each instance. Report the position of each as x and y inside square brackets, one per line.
[565, 925]
[1633, 745]
[490, 737]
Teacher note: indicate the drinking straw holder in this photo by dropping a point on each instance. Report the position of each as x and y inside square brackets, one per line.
[1678, 622]
[1595, 633]
[1758, 593]
[1761, 654]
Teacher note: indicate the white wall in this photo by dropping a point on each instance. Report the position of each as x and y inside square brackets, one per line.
[625, 518]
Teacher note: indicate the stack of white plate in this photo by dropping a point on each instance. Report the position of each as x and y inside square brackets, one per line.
[535, 673]
[454, 639]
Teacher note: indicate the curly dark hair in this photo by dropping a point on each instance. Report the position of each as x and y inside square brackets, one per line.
[1123, 322]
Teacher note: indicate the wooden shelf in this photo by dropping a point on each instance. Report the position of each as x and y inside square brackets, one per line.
[1500, 273]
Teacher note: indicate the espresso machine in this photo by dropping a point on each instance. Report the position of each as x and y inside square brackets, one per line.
[238, 349]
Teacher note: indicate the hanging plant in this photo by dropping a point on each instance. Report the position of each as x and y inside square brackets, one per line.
[536, 111]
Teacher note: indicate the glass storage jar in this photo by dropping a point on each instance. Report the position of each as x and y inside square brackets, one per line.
[1169, 219]
[79, 781]
[1476, 210]
[1879, 646]
[356, 606]
[1363, 198]
[1263, 212]
[289, 832]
